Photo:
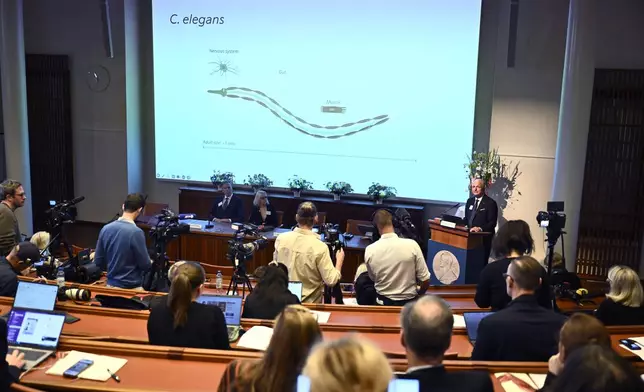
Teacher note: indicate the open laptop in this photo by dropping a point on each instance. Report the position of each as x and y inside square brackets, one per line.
[37, 296]
[231, 307]
[34, 333]
[472, 320]
[296, 289]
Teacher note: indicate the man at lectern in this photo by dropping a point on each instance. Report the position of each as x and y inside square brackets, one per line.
[228, 208]
[481, 213]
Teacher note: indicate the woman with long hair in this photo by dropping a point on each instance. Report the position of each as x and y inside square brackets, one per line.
[296, 331]
[623, 303]
[270, 296]
[180, 321]
[513, 240]
[262, 213]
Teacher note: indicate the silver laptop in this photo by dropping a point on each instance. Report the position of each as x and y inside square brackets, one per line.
[35, 296]
[296, 289]
[472, 321]
[35, 333]
[231, 307]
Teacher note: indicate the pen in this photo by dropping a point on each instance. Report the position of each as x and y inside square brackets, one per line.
[114, 376]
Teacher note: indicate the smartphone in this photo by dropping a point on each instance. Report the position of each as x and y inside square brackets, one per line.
[78, 368]
[631, 344]
[403, 385]
[303, 384]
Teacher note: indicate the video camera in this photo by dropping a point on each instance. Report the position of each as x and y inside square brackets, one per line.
[240, 251]
[553, 220]
[168, 226]
[62, 212]
[330, 235]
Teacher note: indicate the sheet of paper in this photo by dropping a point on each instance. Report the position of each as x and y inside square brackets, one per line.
[256, 338]
[521, 376]
[640, 352]
[538, 379]
[322, 317]
[96, 372]
[510, 386]
[459, 321]
[350, 301]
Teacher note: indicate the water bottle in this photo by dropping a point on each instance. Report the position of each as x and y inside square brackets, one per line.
[219, 282]
[60, 277]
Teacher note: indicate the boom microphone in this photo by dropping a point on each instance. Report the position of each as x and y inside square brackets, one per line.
[66, 204]
[452, 207]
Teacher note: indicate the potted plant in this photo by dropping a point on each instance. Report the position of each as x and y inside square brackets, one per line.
[219, 178]
[380, 192]
[258, 181]
[298, 185]
[484, 165]
[339, 188]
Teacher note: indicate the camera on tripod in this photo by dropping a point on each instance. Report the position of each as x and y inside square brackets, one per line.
[330, 235]
[553, 220]
[240, 251]
[168, 226]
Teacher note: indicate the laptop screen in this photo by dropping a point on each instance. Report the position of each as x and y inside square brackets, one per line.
[34, 328]
[472, 320]
[229, 305]
[35, 296]
[296, 289]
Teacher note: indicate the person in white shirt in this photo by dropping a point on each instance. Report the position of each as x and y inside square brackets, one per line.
[396, 265]
[307, 258]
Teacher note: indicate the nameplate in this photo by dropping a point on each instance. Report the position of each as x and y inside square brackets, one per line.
[451, 225]
[194, 226]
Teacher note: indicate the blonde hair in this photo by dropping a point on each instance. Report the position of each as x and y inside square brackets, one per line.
[348, 364]
[625, 286]
[362, 268]
[259, 194]
[40, 239]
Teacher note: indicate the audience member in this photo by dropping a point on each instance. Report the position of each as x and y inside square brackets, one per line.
[10, 363]
[296, 331]
[121, 247]
[19, 259]
[396, 265]
[229, 208]
[513, 240]
[523, 331]
[593, 368]
[306, 257]
[623, 303]
[40, 239]
[364, 287]
[263, 213]
[347, 364]
[270, 296]
[180, 321]
[13, 197]
[426, 335]
[560, 275]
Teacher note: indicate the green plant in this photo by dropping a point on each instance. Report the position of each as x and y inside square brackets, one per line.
[500, 177]
[258, 181]
[339, 187]
[299, 184]
[219, 178]
[484, 165]
[381, 192]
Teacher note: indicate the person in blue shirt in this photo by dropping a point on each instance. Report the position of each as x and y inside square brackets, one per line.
[121, 249]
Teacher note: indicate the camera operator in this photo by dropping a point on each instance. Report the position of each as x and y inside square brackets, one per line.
[307, 258]
[121, 247]
[395, 264]
[13, 197]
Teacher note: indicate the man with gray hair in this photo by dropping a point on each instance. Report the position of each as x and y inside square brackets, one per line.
[426, 334]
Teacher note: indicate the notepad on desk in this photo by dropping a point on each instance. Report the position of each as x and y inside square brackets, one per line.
[535, 381]
[98, 370]
[459, 321]
[256, 338]
[321, 317]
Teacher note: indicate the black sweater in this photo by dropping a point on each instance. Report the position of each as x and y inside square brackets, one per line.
[260, 306]
[610, 312]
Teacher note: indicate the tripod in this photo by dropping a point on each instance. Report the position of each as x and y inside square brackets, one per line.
[333, 291]
[54, 243]
[157, 278]
[239, 277]
[552, 237]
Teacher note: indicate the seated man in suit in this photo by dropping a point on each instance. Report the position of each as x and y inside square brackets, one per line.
[523, 330]
[228, 208]
[426, 335]
[481, 214]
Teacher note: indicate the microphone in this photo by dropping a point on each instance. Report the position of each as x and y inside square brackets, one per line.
[452, 207]
[65, 204]
[74, 294]
[187, 216]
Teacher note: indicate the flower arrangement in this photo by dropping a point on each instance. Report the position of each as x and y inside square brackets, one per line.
[258, 181]
[218, 178]
[339, 188]
[500, 177]
[484, 165]
[299, 184]
[380, 192]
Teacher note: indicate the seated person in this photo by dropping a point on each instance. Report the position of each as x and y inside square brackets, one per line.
[623, 303]
[426, 335]
[10, 363]
[512, 241]
[560, 275]
[296, 331]
[263, 213]
[179, 321]
[364, 287]
[396, 265]
[524, 330]
[121, 249]
[40, 239]
[21, 257]
[270, 296]
[229, 208]
[347, 364]
[306, 257]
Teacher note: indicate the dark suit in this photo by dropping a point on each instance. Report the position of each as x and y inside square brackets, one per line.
[234, 211]
[258, 306]
[437, 379]
[256, 216]
[485, 217]
[523, 331]
[8, 374]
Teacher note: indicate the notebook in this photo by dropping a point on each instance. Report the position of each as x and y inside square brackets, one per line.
[34, 333]
[231, 307]
[472, 320]
[98, 370]
[296, 289]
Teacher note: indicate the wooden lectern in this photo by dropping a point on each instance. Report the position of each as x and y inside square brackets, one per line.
[454, 255]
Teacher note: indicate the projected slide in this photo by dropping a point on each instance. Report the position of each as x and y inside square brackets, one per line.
[361, 91]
